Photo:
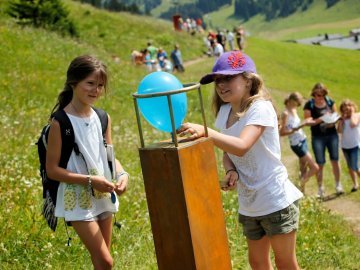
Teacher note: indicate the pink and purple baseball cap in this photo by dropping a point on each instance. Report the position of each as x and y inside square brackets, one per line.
[230, 63]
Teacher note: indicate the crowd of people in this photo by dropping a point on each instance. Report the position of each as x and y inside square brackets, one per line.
[224, 40]
[190, 25]
[320, 113]
[157, 59]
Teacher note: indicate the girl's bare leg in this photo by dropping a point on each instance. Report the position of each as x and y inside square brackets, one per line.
[92, 236]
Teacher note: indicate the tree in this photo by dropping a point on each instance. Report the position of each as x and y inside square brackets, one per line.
[48, 14]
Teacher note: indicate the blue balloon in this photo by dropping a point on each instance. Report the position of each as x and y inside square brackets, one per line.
[156, 110]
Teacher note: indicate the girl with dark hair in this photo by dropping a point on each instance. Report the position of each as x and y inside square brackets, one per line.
[85, 196]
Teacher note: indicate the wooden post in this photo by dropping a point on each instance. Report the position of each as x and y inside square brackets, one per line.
[186, 214]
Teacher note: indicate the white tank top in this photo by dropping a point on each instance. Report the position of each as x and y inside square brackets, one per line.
[76, 202]
[298, 136]
[350, 136]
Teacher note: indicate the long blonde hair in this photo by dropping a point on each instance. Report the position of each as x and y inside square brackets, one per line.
[257, 92]
[347, 102]
[295, 96]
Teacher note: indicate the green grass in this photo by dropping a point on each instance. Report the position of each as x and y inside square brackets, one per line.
[32, 73]
[166, 5]
[316, 20]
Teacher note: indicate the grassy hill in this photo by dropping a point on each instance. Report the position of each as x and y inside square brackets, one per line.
[166, 5]
[317, 19]
[32, 72]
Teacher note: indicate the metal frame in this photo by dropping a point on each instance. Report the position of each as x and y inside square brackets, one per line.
[168, 94]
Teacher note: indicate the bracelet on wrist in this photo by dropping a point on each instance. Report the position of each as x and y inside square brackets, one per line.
[233, 170]
[119, 174]
[89, 184]
[89, 181]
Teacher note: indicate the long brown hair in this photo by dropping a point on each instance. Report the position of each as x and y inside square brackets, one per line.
[79, 68]
[319, 87]
[257, 91]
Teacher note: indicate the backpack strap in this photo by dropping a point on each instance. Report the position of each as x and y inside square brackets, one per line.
[312, 103]
[329, 102]
[67, 136]
[104, 120]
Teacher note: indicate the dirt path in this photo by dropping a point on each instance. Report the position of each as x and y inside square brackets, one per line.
[347, 208]
[195, 61]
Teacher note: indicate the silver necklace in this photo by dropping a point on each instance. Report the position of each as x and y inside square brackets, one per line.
[83, 117]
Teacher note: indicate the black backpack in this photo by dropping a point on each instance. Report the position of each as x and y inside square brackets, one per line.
[50, 186]
[329, 102]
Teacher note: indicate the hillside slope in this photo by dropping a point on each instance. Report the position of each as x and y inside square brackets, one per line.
[316, 19]
[32, 72]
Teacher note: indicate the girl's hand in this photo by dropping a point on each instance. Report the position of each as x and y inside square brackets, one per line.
[121, 185]
[230, 179]
[307, 122]
[351, 111]
[195, 130]
[101, 184]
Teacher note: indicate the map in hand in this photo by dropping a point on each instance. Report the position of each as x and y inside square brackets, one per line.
[330, 118]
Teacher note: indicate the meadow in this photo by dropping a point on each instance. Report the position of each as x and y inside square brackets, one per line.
[317, 19]
[32, 72]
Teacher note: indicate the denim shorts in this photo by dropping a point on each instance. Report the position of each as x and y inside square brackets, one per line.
[280, 222]
[352, 158]
[300, 149]
[320, 143]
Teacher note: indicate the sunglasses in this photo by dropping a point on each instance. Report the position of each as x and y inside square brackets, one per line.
[224, 79]
[318, 95]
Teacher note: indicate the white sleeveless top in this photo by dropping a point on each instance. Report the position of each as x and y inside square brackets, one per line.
[298, 136]
[350, 136]
[76, 202]
[263, 186]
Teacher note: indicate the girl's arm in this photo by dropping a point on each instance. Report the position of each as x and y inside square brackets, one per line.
[227, 163]
[340, 125]
[55, 172]
[354, 119]
[284, 131]
[231, 174]
[122, 176]
[238, 146]
[333, 107]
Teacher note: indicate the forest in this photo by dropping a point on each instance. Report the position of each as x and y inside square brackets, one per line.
[272, 9]
[243, 9]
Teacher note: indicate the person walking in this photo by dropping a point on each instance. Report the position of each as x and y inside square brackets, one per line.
[349, 128]
[291, 126]
[231, 39]
[323, 135]
[176, 58]
[240, 37]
